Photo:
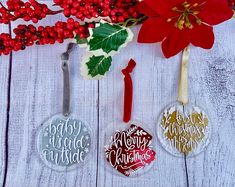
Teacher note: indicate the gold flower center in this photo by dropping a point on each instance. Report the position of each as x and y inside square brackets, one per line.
[182, 19]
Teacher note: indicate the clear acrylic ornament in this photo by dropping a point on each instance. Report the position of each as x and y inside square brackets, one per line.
[184, 129]
[64, 141]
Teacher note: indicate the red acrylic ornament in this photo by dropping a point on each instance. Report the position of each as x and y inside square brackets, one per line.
[130, 150]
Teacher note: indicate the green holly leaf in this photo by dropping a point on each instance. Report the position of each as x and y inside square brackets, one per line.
[98, 65]
[80, 40]
[108, 37]
[105, 40]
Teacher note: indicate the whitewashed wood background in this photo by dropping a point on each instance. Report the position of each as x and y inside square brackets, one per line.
[31, 91]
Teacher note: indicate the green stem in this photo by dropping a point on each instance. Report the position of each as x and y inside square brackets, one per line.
[131, 22]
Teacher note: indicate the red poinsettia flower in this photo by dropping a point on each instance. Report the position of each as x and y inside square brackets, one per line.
[177, 23]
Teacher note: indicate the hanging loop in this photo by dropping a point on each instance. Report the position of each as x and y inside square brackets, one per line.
[183, 81]
[128, 90]
[66, 79]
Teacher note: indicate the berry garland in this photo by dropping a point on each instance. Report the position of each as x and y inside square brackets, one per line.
[28, 11]
[117, 10]
[28, 35]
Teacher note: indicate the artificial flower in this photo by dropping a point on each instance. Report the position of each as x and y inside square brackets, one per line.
[178, 23]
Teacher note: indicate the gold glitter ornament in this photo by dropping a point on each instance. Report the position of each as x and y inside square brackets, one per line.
[184, 129]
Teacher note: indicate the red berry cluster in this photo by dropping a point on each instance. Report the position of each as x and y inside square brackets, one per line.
[5, 15]
[117, 10]
[7, 44]
[30, 10]
[231, 3]
[28, 35]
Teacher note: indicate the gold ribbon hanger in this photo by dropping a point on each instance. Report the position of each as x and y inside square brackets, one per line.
[183, 81]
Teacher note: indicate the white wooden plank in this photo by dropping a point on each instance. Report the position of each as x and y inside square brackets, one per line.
[36, 94]
[4, 77]
[212, 86]
[155, 81]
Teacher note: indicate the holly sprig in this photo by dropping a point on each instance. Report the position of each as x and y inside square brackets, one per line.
[105, 40]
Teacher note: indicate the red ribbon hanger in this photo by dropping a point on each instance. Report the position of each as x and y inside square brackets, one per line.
[128, 90]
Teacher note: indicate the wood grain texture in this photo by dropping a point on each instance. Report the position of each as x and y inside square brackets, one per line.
[212, 86]
[4, 86]
[36, 94]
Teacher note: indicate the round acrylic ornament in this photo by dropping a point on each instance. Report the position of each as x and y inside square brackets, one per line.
[129, 149]
[184, 129]
[129, 146]
[64, 141]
